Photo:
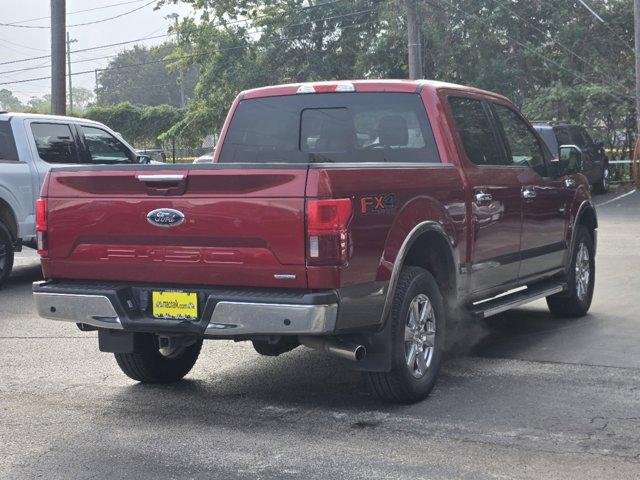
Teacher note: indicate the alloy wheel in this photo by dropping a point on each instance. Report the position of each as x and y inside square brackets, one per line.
[3, 257]
[583, 271]
[419, 336]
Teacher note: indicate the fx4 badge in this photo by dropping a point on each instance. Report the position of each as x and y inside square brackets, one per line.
[381, 203]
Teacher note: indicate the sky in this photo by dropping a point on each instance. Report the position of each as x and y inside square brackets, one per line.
[18, 43]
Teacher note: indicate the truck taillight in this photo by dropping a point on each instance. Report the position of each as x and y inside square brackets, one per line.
[328, 231]
[41, 227]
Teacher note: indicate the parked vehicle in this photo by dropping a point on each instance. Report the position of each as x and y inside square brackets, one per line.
[155, 155]
[29, 145]
[592, 159]
[206, 158]
[359, 218]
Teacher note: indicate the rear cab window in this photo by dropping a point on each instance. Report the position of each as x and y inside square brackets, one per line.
[8, 152]
[331, 127]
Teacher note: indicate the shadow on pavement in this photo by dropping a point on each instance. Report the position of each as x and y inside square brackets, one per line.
[22, 275]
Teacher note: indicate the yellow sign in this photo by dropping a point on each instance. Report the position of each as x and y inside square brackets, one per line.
[175, 305]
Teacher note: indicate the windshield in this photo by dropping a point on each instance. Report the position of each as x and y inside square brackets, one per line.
[339, 127]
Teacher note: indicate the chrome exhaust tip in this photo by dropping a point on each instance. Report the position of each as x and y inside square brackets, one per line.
[353, 352]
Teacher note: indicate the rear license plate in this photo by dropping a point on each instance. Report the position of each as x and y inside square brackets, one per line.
[175, 305]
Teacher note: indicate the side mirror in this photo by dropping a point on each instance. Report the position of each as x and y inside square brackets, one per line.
[144, 159]
[570, 160]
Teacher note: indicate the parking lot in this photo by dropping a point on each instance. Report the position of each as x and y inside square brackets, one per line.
[526, 396]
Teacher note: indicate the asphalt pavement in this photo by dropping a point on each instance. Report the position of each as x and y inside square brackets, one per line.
[525, 396]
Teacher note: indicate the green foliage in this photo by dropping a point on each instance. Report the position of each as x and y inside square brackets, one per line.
[39, 104]
[139, 75]
[82, 98]
[551, 58]
[10, 102]
[140, 124]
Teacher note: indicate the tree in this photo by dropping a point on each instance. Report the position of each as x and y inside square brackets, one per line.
[527, 51]
[10, 102]
[140, 75]
[39, 104]
[140, 124]
[82, 98]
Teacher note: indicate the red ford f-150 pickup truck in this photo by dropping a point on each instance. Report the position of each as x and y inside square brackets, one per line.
[359, 218]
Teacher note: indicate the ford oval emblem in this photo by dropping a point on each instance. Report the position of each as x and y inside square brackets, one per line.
[165, 217]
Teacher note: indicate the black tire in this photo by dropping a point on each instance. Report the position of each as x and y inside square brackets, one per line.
[6, 253]
[400, 385]
[571, 303]
[603, 185]
[147, 365]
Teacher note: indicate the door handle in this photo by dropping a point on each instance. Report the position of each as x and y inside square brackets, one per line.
[483, 198]
[529, 193]
[569, 182]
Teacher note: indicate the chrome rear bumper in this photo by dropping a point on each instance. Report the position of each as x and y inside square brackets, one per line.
[94, 310]
[238, 318]
[220, 317]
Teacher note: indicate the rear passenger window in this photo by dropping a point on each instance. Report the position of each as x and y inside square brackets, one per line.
[8, 151]
[55, 142]
[338, 128]
[475, 130]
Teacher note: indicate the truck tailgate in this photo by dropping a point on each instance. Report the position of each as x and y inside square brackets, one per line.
[240, 227]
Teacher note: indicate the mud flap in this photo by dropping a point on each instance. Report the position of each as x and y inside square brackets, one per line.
[378, 345]
[116, 342]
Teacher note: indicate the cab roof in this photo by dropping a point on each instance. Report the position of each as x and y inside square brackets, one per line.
[406, 86]
[41, 116]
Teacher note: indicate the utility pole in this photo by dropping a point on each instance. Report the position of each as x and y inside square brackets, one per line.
[69, 42]
[413, 35]
[176, 19]
[636, 17]
[58, 29]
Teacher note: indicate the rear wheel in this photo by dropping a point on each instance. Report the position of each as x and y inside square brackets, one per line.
[151, 364]
[6, 253]
[577, 300]
[417, 336]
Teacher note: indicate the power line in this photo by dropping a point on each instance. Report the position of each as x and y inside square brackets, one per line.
[4, 40]
[624, 42]
[591, 10]
[16, 25]
[201, 54]
[98, 47]
[256, 30]
[526, 47]
[548, 36]
[114, 17]
[220, 24]
[79, 11]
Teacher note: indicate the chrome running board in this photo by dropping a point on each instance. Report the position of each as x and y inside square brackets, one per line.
[488, 308]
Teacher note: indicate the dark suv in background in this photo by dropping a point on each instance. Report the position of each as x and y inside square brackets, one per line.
[593, 162]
